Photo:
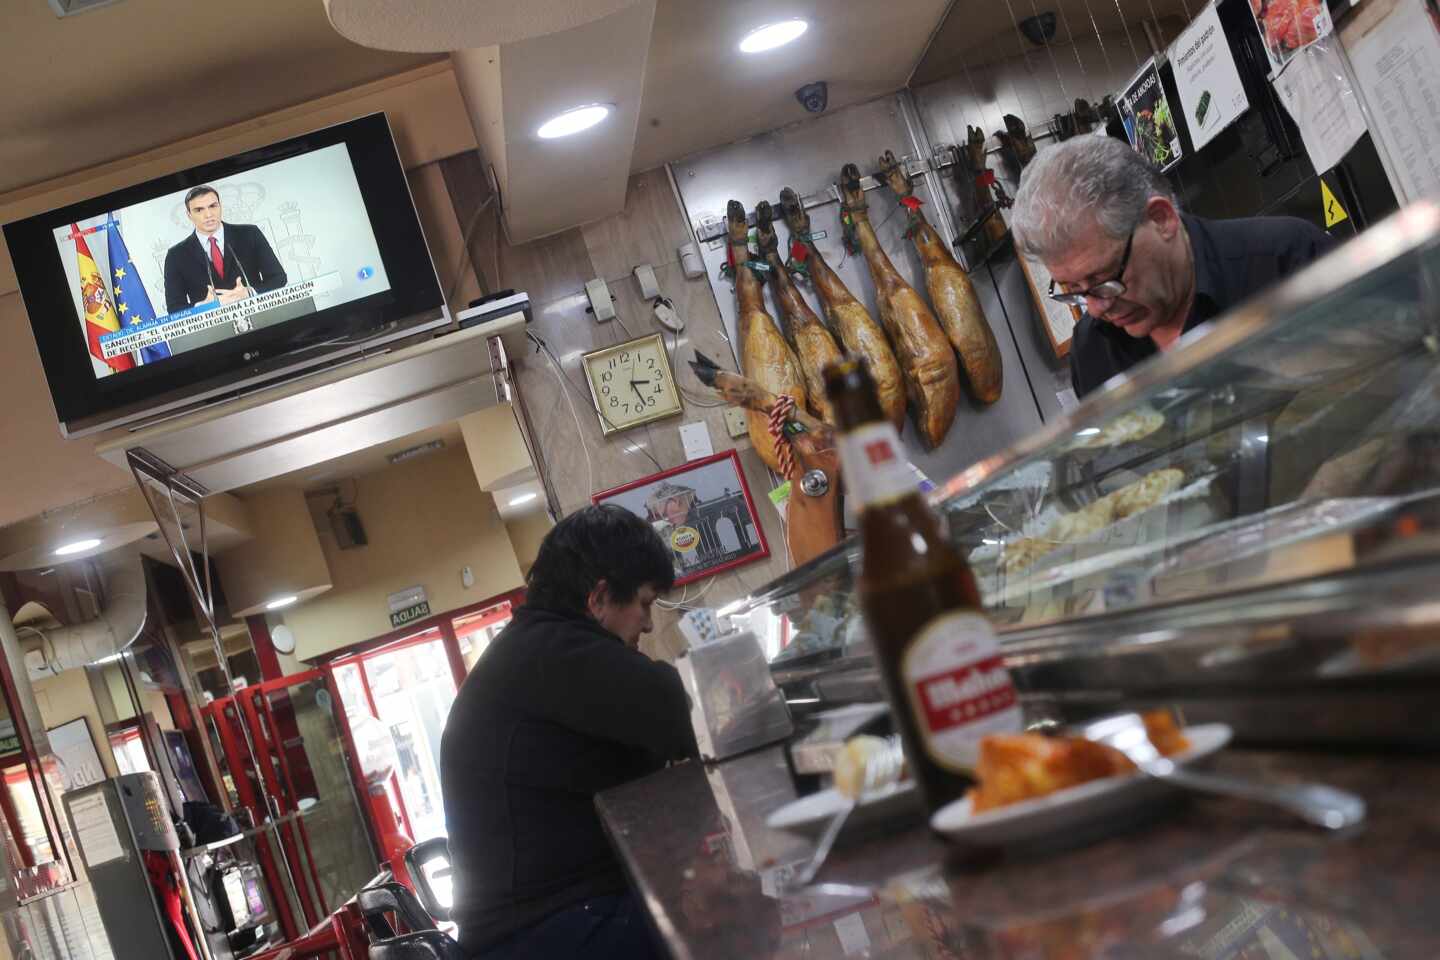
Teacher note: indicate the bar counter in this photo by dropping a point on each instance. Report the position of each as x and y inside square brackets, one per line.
[1202, 876]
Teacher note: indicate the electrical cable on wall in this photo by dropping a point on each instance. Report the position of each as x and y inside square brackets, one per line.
[685, 601]
[465, 237]
[590, 401]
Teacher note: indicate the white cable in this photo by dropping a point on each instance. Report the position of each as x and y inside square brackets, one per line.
[685, 601]
[579, 431]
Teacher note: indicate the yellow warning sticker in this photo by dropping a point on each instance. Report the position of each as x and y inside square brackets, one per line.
[1334, 213]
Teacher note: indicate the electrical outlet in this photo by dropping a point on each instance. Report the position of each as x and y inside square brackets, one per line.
[736, 423]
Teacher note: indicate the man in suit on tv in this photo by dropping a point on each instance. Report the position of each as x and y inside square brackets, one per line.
[224, 261]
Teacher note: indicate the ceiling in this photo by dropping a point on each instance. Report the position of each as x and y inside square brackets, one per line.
[360, 463]
[700, 91]
[170, 69]
[981, 31]
[139, 74]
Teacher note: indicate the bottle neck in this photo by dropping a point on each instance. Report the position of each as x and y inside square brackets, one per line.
[876, 471]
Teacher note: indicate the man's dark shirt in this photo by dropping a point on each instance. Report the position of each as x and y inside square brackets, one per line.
[556, 710]
[1234, 260]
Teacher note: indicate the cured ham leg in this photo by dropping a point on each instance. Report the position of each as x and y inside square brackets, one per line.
[926, 358]
[765, 356]
[811, 340]
[982, 181]
[812, 521]
[951, 293]
[858, 331]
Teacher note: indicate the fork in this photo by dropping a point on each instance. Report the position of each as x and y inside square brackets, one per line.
[881, 768]
[1316, 803]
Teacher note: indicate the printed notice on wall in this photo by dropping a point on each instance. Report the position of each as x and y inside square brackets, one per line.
[95, 830]
[1397, 62]
[1289, 26]
[1211, 94]
[1317, 93]
[1149, 125]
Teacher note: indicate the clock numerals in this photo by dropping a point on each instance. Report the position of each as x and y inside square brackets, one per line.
[629, 383]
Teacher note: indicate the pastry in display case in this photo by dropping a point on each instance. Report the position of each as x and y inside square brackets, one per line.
[1247, 511]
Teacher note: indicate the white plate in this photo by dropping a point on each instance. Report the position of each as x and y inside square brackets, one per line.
[810, 814]
[1090, 804]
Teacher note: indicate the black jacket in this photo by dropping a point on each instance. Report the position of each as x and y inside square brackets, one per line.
[247, 256]
[1234, 260]
[556, 710]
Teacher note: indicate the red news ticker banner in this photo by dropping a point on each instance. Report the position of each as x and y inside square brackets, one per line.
[966, 694]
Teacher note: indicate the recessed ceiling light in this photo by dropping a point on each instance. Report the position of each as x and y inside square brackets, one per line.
[523, 498]
[773, 35]
[79, 546]
[573, 121]
[279, 602]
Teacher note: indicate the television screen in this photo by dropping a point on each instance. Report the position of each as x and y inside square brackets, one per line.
[225, 275]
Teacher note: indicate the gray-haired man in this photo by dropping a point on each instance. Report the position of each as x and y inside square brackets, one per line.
[1111, 234]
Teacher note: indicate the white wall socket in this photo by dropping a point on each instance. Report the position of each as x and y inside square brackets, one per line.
[736, 423]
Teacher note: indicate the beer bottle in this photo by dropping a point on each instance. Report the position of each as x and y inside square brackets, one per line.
[936, 651]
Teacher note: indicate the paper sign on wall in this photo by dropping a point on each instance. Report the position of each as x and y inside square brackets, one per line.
[1316, 91]
[95, 830]
[1211, 94]
[1397, 62]
[1149, 125]
[1289, 26]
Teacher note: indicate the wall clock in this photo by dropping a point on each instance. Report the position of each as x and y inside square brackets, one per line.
[632, 383]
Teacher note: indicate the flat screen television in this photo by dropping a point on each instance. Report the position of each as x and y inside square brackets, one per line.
[225, 276]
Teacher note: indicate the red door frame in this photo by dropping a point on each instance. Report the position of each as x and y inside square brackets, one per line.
[270, 745]
[440, 621]
[247, 706]
[439, 627]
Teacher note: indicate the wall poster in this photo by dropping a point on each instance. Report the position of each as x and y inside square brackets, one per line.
[1287, 26]
[1211, 93]
[1149, 125]
[79, 762]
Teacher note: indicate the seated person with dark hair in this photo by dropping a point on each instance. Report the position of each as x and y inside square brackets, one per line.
[561, 706]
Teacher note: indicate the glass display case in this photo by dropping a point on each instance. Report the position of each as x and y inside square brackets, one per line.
[1182, 525]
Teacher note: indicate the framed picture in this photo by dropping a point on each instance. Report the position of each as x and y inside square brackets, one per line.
[702, 511]
[75, 750]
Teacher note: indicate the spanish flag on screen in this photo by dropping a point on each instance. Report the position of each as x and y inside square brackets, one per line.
[100, 317]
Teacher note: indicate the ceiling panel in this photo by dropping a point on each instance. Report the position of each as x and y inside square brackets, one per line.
[143, 73]
[982, 31]
[700, 91]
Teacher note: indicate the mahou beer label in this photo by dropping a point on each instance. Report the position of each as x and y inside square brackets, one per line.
[875, 468]
[959, 689]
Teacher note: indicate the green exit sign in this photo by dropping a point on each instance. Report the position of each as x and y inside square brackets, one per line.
[406, 615]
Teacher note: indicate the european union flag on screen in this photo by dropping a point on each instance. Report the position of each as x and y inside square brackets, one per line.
[131, 300]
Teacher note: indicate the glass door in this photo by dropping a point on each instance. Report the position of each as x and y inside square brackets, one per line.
[320, 837]
[408, 687]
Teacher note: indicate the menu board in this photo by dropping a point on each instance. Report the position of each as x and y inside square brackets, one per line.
[95, 830]
[1288, 26]
[1149, 124]
[1397, 63]
[1211, 93]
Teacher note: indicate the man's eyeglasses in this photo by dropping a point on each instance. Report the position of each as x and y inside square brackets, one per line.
[1108, 290]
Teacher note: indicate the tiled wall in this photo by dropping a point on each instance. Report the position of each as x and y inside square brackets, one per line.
[576, 458]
